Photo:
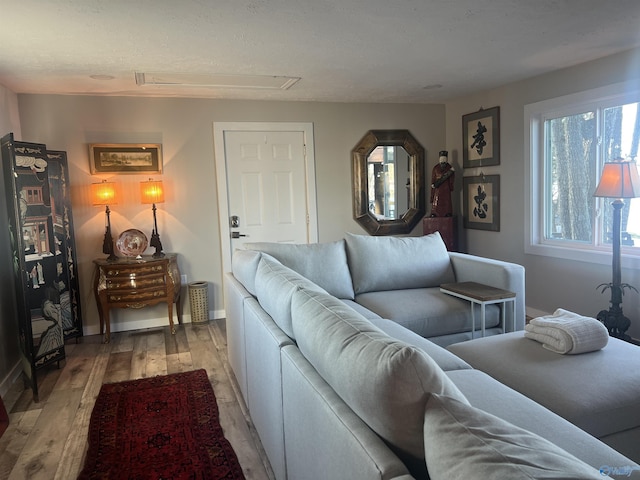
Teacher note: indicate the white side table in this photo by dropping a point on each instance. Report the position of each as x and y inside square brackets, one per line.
[483, 295]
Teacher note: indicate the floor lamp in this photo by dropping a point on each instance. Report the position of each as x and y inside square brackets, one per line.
[152, 192]
[105, 194]
[619, 180]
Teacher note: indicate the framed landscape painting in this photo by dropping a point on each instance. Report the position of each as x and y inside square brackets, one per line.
[125, 158]
[481, 202]
[481, 138]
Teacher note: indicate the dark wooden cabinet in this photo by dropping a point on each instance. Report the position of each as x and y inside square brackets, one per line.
[447, 226]
[4, 418]
[136, 283]
[36, 188]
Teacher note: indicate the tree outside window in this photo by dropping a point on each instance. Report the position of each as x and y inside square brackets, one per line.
[576, 146]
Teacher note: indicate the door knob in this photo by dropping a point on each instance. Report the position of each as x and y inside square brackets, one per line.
[237, 235]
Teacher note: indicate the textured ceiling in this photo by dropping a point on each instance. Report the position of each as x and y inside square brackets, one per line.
[417, 51]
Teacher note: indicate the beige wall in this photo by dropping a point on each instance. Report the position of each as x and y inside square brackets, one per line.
[188, 220]
[9, 348]
[551, 283]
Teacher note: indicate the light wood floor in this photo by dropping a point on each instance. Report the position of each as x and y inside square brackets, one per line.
[48, 440]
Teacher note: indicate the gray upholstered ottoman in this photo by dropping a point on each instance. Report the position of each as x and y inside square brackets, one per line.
[597, 391]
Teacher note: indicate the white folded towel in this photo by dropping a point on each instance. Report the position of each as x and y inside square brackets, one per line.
[567, 332]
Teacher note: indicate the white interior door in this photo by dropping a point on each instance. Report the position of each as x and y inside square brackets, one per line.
[266, 184]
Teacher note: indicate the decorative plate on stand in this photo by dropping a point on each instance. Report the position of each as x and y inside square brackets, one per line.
[132, 242]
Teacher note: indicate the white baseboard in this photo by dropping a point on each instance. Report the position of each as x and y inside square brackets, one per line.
[148, 323]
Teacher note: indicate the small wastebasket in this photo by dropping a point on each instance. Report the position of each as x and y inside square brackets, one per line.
[199, 302]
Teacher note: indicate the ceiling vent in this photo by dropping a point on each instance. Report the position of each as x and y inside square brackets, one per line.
[269, 82]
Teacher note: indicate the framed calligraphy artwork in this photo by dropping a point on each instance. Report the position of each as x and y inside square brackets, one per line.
[481, 138]
[481, 202]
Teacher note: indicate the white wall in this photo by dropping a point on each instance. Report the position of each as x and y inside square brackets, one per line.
[551, 283]
[188, 220]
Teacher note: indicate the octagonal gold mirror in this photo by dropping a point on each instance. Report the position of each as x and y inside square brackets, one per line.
[388, 182]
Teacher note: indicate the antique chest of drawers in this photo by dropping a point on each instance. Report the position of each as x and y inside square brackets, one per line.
[136, 283]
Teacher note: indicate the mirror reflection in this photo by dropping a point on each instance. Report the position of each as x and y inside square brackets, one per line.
[388, 181]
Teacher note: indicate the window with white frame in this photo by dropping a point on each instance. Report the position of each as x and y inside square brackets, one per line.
[567, 142]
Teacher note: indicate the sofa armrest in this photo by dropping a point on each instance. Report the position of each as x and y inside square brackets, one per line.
[499, 274]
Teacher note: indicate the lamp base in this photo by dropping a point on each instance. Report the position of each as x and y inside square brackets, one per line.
[616, 323]
[155, 236]
[107, 243]
[107, 246]
[155, 242]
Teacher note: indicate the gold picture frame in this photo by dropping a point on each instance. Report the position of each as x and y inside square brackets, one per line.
[135, 158]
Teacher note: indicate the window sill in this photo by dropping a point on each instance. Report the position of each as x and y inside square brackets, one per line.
[602, 257]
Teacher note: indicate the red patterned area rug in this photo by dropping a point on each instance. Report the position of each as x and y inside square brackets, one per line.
[163, 427]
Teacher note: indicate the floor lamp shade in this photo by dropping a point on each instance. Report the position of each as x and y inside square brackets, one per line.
[619, 180]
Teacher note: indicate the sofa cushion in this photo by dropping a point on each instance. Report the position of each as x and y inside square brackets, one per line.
[427, 311]
[275, 285]
[392, 263]
[244, 264]
[444, 358]
[386, 382]
[365, 312]
[325, 264]
[464, 442]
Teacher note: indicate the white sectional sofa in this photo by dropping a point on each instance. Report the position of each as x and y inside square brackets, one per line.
[327, 342]
[398, 278]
